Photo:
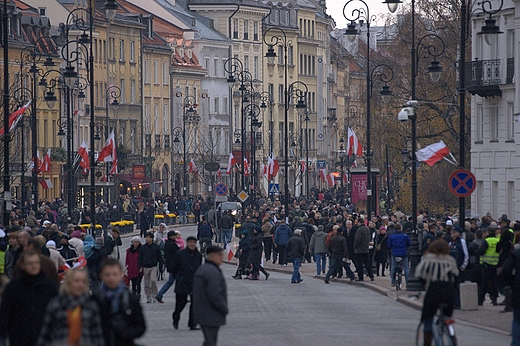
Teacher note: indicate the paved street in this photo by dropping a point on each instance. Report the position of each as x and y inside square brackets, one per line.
[277, 312]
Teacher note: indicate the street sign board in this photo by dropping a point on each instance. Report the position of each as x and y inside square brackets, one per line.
[212, 166]
[242, 196]
[221, 199]
[274, 188]
[462, 183]
[320, 164]
[221, 189]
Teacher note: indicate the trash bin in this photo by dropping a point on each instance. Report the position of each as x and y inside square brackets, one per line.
[468, 296]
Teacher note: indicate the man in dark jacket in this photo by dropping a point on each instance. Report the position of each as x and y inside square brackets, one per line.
[226, 224]
[67, 251]
[281, 236]
[338, 251]
[398, 243]
[182, 207]
[149, 257]
[510, 265]
[185, 263]
[170, 249]
[296, 251]
[204, 235]
[24, 303]
[361, 250]
[210, 295]
[121, 314]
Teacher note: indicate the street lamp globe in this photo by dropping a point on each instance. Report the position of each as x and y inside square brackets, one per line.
[490, 30]
[386, 94]
[392, 5]
[50, 99]
[270, 54]
[351, 32]
[435, 70]
[70, 76]
[110, 9]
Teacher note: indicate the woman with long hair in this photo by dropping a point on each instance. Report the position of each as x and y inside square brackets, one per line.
[72, 318]
[437, 271]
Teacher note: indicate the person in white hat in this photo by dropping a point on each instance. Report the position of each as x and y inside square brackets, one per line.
[55, 255]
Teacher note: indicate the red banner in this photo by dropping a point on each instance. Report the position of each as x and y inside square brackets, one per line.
[359, 188]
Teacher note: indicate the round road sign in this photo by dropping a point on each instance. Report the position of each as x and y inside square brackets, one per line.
[462, 183]
[221, 189]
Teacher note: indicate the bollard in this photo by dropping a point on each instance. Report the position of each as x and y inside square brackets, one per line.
[468, 296]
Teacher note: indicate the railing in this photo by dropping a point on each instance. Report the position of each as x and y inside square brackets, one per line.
[166, 141]
[510, 71]
[157, 141]
[483, 73]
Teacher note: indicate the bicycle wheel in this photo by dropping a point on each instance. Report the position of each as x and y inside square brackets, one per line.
[448, 339]
[398, 281]
[419, 335]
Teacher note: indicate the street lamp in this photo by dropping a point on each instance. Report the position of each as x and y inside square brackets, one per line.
[362, 15]
[112, 94]
[189, 114]
[267, 100]
[253, 111]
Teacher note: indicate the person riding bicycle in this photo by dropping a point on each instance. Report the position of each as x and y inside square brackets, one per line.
[437, 271]
[398, 243]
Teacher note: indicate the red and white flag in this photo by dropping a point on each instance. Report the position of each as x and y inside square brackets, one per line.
[432, 153]
[345, 178]
[272, 167]
[219, 175]
[84, 158]
[108, 153]
[38, 162]
[45, 167]
[322, 173]
[46, 184]
[15, 117]
[330, 179]
[247, 167]
[354, 164]
[354, 146]
[303, 166]
[263, 170]
[231, 163]
[192, 168]
[229, 252]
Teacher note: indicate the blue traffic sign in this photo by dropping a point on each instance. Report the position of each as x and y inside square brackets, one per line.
[462, 183]
[274, 188]
[321, 164]
[221, 189]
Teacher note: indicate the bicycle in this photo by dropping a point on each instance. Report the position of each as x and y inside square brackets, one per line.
[398, 273]
[443, 330]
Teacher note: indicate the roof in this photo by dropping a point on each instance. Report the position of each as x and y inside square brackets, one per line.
[255, 3]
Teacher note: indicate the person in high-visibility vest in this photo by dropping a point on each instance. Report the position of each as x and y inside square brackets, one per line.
[489, 262]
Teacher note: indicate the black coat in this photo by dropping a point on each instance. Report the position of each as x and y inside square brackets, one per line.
[209, 296]
[255, 254]
[513, 263]
[123, 327]
[150, 256]
[23, 308]
[296, 247]
[170, 249]
[245, 245]
[185, 263]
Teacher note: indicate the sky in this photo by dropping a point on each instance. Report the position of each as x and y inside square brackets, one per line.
[335, 9]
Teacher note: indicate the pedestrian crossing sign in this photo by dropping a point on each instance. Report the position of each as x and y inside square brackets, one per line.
[274, 188]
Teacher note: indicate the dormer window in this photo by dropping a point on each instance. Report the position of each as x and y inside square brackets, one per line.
[190, 53]
[43, 11]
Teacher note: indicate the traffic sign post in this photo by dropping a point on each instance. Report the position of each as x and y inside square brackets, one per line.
[221, 189]
[462, 183]
[274, 189]
[242, 196]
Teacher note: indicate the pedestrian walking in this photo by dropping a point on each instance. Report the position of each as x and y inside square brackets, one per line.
[149, 258]
[122, 317]
[170, 249]
[511, 270]
[255, 256]
[281, 236]
[244, 247]
[296, 251]
[185, 263]
[338, 251]
[210, 305]
[24, 298]
[319, 249]
[226, 223]
[72, 318]
[361, 250]
[134, 271]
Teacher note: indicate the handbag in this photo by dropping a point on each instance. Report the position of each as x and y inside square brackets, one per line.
[378, 246]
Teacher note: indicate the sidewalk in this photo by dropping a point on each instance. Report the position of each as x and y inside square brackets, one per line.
[487, 317]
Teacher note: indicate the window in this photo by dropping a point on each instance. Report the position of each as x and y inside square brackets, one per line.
[224, 105]
[111, 48]
[235, 28]
[155, 118]
[215, 67]
[277, 17]
[312, 29]
[132, 51]
[281, 98]
[246, 29]
[145, 71]
[313, 65]
[123, 90]
[479, 123]
[305, 28]
[290, 56]
[166, 73]
[132, 139]
[270, 90]
[288, 17]
[246, 62]
[155, 72]
[493, 122]
[255, 68]
[255, 30]
[217, 106]
[301, 63]
[166, 118]
[121, 50]
[133, 99]
[43, 11]
[301, 27]
[510, 122]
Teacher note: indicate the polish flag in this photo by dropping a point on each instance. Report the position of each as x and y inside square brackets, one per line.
[45, 167]
[38, 162]
[46, 184]
[108, 153]
[231, 163]
[354, 146]
[322, 173]
[219, 175]
[83, 154]
[432, 153]
[229, 252]
[15, 117]
[330, 179]
[354, 164]
[345, 178]
[114, 169]
[192, 168]
[303, 166]
[247, 168]
[273, 167]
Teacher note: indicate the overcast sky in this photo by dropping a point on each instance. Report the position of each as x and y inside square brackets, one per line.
[335, 9]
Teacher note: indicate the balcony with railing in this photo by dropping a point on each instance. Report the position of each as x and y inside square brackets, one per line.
[483, 77]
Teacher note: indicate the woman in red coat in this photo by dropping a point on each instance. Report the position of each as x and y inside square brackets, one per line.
[134, 273]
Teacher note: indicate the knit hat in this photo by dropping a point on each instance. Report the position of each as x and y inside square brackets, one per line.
[46, 222]
[136, 238]
[51, 244]
[76, 234]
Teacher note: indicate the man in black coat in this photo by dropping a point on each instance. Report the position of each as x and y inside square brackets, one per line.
[24, 303]
[210, 305]
[149, 258]
[185, 263]
[170, 249]
[296, 251]
[510, 265]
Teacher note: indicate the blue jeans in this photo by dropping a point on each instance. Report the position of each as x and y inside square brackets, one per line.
[321, 262]
[516, 327]
[404, 264]
[182, 214]
[226, 235]
[166, 286]
[297, 262]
